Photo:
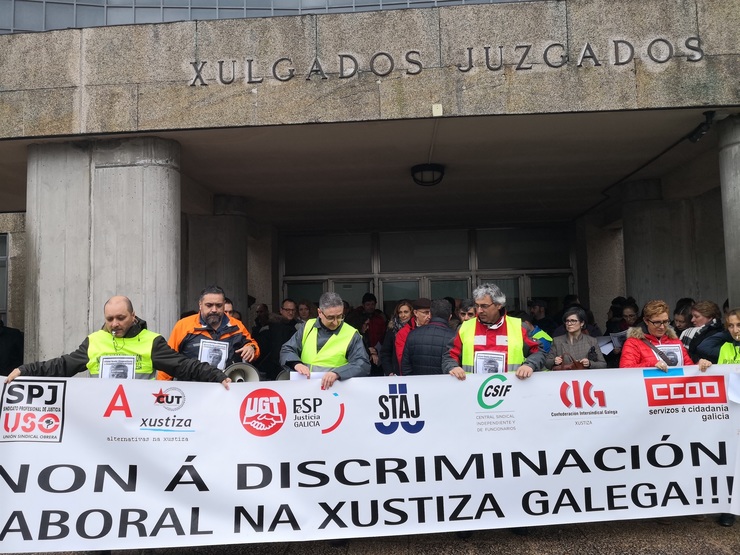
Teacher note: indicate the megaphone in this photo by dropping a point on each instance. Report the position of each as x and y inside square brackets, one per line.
[242, 372]
[283, 375]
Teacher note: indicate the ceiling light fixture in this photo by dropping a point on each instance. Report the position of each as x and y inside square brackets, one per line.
[428, 175]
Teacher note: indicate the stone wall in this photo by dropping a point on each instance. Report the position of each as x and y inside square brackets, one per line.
[544, 57]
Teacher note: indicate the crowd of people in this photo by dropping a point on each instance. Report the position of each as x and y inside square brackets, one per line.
[335, 341]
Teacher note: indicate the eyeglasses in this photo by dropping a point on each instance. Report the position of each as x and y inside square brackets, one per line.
[659, 324]
[288, 309]
[483, 306]
[333, 318]
[572, 321]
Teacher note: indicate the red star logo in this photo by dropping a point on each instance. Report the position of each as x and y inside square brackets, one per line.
[159, 397]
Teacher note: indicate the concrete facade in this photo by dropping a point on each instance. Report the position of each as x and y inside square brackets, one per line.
[729, 163]
[136, 78]
[103, 219]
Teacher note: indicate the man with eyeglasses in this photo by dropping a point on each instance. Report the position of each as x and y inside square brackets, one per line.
[278, 329]
[326, 344]
[493, 335]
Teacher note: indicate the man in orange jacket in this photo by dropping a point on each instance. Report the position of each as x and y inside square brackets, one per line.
[209, 330]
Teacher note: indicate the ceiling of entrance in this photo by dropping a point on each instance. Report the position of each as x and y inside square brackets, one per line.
[499, 169]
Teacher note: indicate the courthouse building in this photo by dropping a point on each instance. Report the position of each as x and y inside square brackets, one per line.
[289, 147]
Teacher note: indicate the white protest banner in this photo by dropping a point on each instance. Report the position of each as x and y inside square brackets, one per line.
[100, 464]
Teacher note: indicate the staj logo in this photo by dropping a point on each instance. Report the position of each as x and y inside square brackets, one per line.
[685, 390]
[263, 412]
[572, 394]
[398, 408]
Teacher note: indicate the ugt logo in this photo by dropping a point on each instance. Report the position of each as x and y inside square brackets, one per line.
[573, 395]
[397, 409]
[262, 412]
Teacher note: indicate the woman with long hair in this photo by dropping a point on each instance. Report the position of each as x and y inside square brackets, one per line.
[401, 315]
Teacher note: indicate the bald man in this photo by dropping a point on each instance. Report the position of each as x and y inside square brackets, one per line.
[124, 334]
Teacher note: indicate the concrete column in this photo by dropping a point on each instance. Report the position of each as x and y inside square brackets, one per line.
[729, 175]
[217, 252]
[103, 218]
[657, 244]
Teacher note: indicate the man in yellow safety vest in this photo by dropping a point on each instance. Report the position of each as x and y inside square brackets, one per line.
[326, 344]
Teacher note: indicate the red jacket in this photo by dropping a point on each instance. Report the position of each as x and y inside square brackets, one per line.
[401, 336]
[635, 354]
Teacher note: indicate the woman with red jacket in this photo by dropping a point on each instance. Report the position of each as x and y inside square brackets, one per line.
[645, 341]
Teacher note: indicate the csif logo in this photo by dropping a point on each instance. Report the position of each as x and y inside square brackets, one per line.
[262, 412]
[172, 398]
[573, 395]
[398, 408]
[493, 391]
[685, 390]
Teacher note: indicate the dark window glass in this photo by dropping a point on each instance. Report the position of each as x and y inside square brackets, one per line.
[230, 13]
[231, 3]
[148, 3]
[120, 16]
[29, 16]
[90, 16]
[328, 254]
[60, 16]
[120, 3]
[204, 3]
[527, 248]
[203, 13]
[148, 15]
[6, 14]
[419, 251]
[176, 14]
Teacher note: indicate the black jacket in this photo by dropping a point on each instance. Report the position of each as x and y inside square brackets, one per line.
[424, 348]
[163, 358]
[11, 349]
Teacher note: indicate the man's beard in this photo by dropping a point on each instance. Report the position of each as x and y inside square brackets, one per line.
[213, 320]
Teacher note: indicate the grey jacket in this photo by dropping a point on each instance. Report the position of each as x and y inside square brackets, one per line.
[358, 363]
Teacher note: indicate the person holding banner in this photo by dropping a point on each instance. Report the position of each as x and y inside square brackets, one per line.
[328, 345]
[197, 336]
[124, 335]
[653, 340]
[492, 337]
[729, 352]
[576, 344]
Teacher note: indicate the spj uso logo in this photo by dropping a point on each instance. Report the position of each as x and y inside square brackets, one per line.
[33, 411]
[399, 408]
[263, 412]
